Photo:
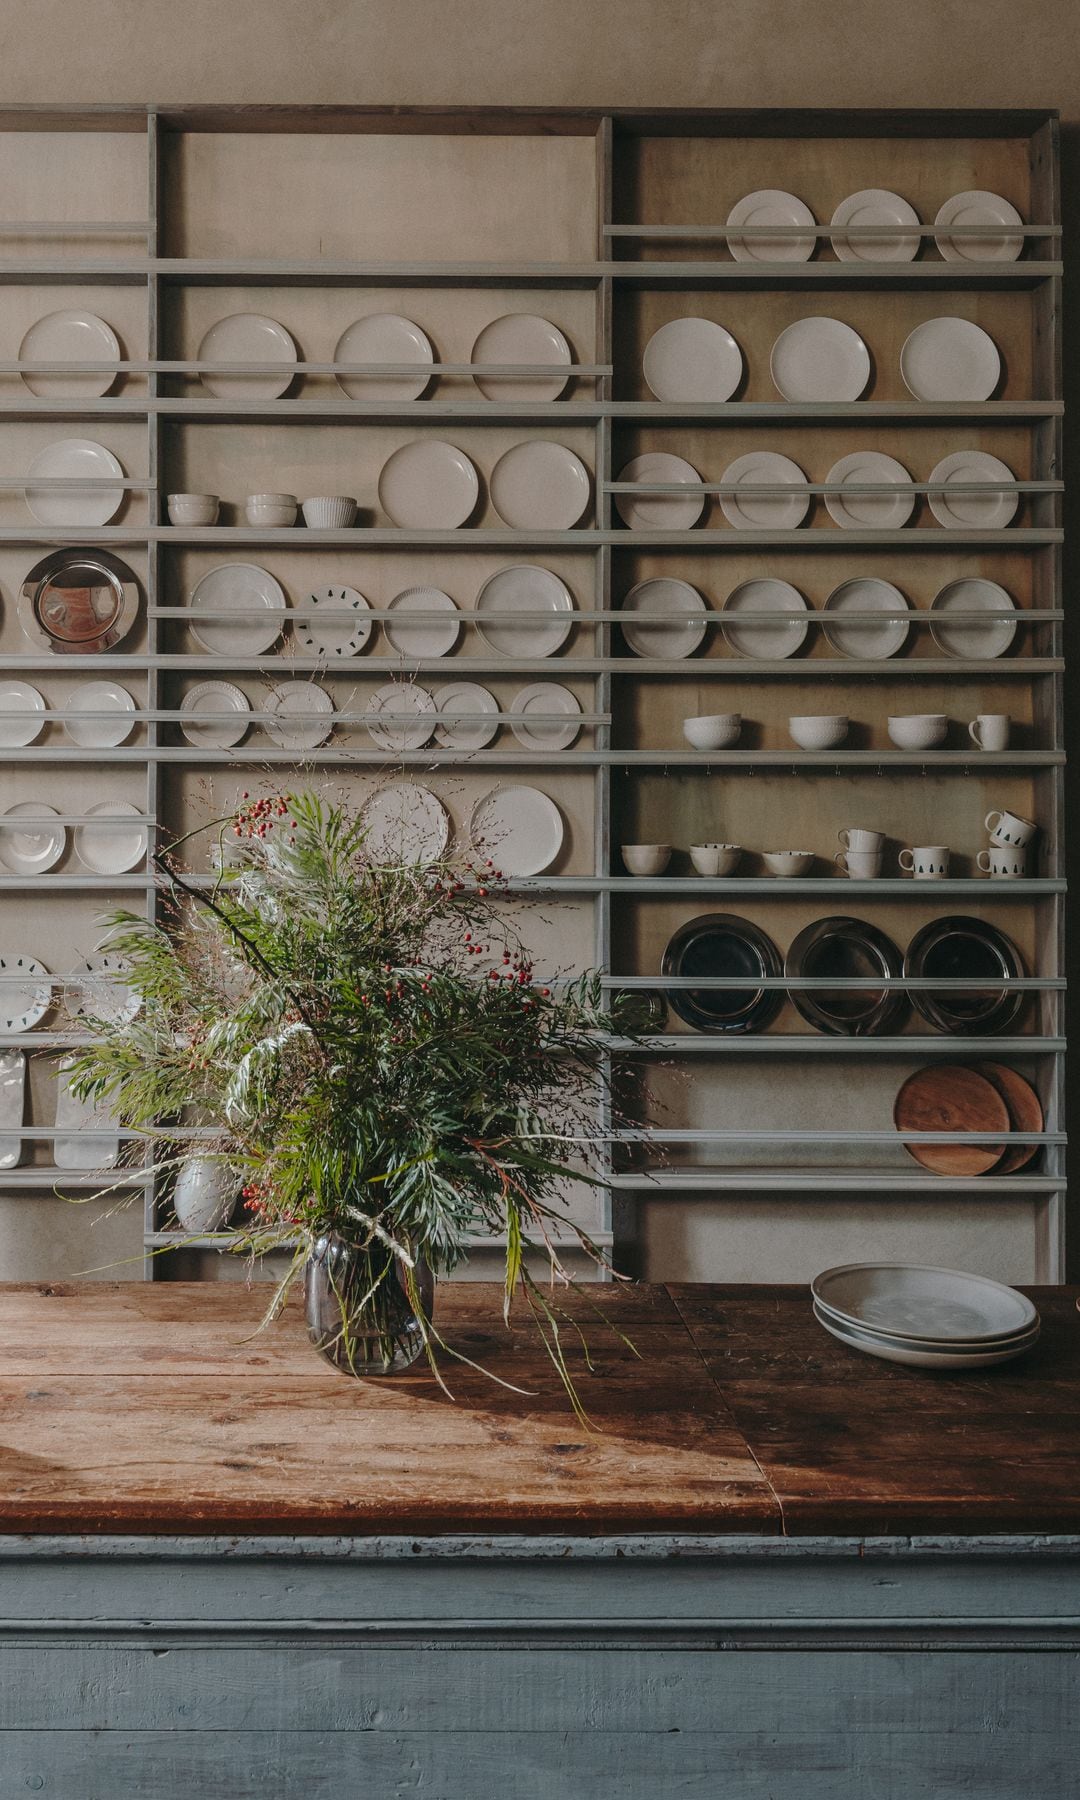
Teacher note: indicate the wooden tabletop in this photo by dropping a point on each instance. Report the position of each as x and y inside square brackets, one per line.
[146, 1408]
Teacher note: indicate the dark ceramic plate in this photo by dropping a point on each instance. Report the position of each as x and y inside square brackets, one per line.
[721, 944]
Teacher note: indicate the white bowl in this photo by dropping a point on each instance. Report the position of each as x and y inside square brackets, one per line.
[819, 731]
[193, 509]
[918, 731]
[271, 509]
[713, 731]
[715, 859]
[788, 863]
[329, 512]
[646, 859]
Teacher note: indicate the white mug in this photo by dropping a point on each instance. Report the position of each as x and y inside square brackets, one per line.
[1009, 831]
[861, 865]
[1004, 865]
[852, 838]
[991, 731]
[930, 863]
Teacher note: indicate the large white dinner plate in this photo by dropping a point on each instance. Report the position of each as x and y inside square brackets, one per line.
[248, 338]
[757, 637]
[70, 336]
[913, 1356]
[428, 485]
[663, 594]
[298, 715]
[818, 359]
[529, 709]
[74, 459]
[21, 707]
[426, 636]
[884, 210]
[505, 603]
[540, 486]
[465, 721]
[878, 637]
[412, 729]
[748, 511]
[21, 1008]
[922, 1301]
[972, 512]
[12, 1101]
[692, 359]
[521, 338]
[384, 338]
[977, 207]
[115, 846]
[241, 588]
[99, 715]
[405, 823]
[30, 851]
[660, 512]
[519, 828]
[971, 594]
[950, 359]
[217, 715]
[337, 626]
[771, 206]
[80, 1142]
[869, 512]
[97, 989]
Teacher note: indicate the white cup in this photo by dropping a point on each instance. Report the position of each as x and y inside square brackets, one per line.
[1009, 831]
[861, 865]
[928, 863]
[990, 731]
[1002, 864]
[854, 838]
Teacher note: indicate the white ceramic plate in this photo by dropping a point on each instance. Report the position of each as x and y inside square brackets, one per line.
[285, 709]
[972, 594]
[99, 715]
[950, 359]
[456, 729]
[869, 512]
[12, 1102]
[762, 512]
[248, 338]
[663, 594]
[968, 512]
[212, 698]
[74, 459]
[96, 989]
[659, 512]
[758, 638]
[692, 359]
[520, 828]
[21, 707]
[81, 1144]
[405, 824]
[521, 338]
[524, 589]
[818, 359]
[771, 206]
[425, 637]
[977, 207]
[545, 697]
[114, 847]
[428, 485]
[910, 1356]
[873, 638]
[384, 338]
[70, 336]
[540, 486]
[882, 209]
[920, 1301]
[950, 1346]
[338, 627]
[239, 588]
[21, 1008]
[414, 729]
[28, 851]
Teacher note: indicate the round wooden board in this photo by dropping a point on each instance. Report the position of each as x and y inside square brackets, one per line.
[1025, 1109]
[949, 1097]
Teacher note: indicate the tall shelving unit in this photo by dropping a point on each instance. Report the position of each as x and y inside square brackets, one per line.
[609, 224]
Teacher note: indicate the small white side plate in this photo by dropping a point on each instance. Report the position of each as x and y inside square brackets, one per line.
[96, 989]
[973, 512]
[663, 594]
[21, 1008]
[540, 486]
[70, 336]
[758, 638]
[426, 636]
[99, 715]
[971, 594]
[692, 359]
[248, 338]
[220, 732]
[542, 698]
[384, 338]
[410, 731]
[247, 590]
[771, 206]
[75, 459]
[26, 851]
[660, 512]
[428, 485]
[337, 627]
[457, 730]
[521, 338]
[883, 210]
[519, 828]
[764, 512]
[21, 707]
[820, 359]
[524, 588]
[869, 512]
[977, 207]
[873, 638]
[113, 847]
[950, 359]
[406, 823]
[286, 717]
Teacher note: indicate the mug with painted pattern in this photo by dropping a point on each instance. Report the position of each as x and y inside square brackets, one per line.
[929, 863]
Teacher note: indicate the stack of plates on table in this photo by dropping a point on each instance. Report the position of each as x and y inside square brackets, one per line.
[924, 1317]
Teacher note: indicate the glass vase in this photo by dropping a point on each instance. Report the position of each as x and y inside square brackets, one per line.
[359, 1312]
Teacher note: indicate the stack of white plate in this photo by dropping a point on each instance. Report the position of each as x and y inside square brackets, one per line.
[924, 1317]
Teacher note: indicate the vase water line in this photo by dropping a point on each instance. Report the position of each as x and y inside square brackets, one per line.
[360, 1313]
